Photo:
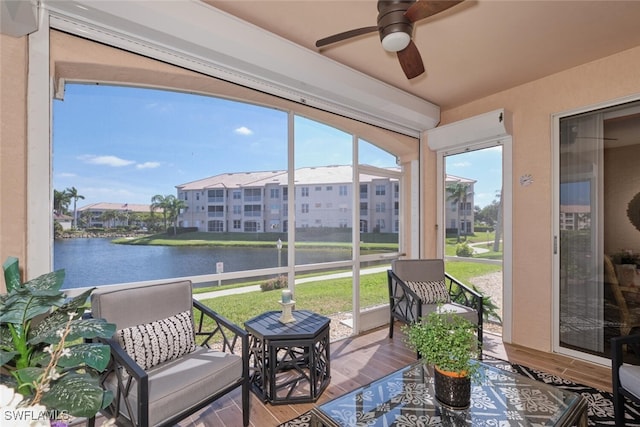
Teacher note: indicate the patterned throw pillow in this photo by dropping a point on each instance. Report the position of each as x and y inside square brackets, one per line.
[432, 292]
[157, 342]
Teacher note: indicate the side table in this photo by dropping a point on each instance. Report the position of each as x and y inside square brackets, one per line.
[289, 362]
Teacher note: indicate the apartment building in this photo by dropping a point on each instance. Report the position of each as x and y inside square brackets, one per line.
[258, 201]
[119, 213]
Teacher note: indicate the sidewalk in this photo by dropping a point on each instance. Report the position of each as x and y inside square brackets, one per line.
[256, 288]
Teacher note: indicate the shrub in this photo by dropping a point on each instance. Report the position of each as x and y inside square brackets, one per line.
[274, 283]
[464, 250]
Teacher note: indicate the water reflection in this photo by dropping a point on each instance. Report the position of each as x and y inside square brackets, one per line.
[93, 262]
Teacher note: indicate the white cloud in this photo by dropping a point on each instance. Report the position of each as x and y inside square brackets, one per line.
[243, 131]
[463, 164]
[66, 175]
[112, 161]
[148, 165]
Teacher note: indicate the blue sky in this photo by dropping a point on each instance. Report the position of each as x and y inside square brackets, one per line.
[124, 145]
[484, 166]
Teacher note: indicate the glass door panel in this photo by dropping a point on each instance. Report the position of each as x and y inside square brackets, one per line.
[599, 244]
[379, 218]
[473, 217]
[323, 195]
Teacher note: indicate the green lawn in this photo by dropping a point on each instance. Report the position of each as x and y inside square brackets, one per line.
[323, 296]
[328, 296]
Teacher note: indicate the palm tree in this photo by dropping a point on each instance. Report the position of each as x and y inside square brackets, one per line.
[458, 194]
[109, 217]
[160, 202]
[174, 205]
[61, 201]
[73, 194]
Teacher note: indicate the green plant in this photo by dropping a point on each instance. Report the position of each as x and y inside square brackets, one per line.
[464, 250]
[445, 340]
[274, 283]
[43, 348]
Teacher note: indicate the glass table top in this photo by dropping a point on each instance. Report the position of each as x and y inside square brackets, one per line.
[498, 398]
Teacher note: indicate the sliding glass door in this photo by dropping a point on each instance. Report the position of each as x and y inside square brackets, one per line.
[597, 244]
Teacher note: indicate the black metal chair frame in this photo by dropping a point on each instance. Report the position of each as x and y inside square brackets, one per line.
[229, 335]
[405, 305]
[620, 347]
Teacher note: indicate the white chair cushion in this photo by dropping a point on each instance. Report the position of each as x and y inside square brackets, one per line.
[462, 310]
[630, 378]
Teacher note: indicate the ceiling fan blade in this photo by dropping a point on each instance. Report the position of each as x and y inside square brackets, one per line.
[411, 61]
[425, 8]
[345, 35]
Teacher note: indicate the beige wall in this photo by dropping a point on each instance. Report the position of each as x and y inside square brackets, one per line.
[532, 105]
[13, 130]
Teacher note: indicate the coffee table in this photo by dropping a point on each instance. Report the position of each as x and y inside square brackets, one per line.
[498, 398]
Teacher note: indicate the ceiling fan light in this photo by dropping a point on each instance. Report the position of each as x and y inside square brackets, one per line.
[396, 41]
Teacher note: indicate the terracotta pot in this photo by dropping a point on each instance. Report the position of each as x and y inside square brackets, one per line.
[452, 389]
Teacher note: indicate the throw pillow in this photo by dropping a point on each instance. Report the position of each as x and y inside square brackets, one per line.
[432, 292]
[160, 341]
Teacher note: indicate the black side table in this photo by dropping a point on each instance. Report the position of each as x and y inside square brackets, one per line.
[289, 362]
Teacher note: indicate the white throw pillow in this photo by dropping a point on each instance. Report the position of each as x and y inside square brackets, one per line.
[431, 292]
[160, 341]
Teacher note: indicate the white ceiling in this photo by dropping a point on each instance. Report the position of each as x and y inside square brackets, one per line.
[470, 51]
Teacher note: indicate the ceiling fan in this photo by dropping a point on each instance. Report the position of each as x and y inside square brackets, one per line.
[395, 26]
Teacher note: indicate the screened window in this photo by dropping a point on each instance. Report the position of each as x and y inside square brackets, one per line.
[214, 196]
[216, 211]
[252, 210]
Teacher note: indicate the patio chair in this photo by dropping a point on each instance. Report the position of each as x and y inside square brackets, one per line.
[163, 368]
[419, 286]
[625, 377]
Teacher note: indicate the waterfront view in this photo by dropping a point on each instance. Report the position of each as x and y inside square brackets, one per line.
[97, 261]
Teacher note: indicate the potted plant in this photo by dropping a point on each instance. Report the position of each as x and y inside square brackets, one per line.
[46, 355]
[449, 343]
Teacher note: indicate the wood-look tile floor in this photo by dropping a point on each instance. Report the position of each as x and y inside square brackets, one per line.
[359, 360]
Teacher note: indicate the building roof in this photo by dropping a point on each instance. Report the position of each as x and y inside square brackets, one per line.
[105, 206]
[335, 174]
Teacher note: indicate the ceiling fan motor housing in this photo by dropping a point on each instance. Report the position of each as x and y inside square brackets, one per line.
[394, 27]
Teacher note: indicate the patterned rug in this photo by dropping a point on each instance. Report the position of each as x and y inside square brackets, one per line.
[600, 402]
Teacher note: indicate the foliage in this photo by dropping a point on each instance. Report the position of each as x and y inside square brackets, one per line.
[42, 347]
[446, 340]
[279, 282]
[463, 249]
[170, 206]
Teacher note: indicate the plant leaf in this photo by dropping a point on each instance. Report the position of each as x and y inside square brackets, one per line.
[94, 355]
[11, 273]
[79, 328]
[22, 305]
[49, 281]
[61, 315]
[7, 356]
[28, 375]
[79, 394]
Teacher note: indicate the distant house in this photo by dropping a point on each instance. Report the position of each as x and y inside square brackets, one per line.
[65, 221]
[94, 214]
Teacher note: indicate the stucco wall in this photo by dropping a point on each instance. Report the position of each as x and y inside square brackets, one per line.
[13, 129]
[532, 105]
